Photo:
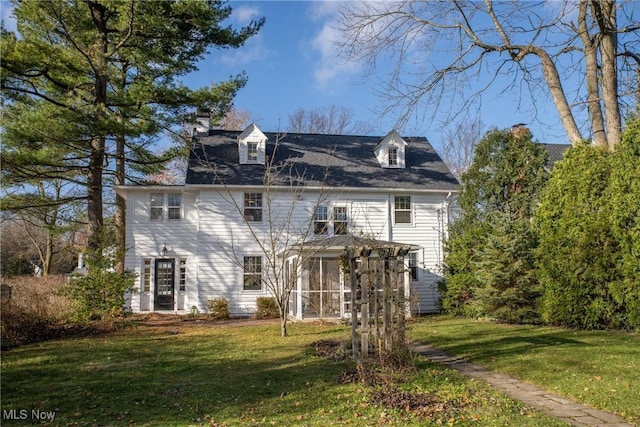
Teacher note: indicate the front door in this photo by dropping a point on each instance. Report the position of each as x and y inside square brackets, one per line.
[164, 290]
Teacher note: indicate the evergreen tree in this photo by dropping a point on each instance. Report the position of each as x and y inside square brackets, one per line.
[94, 81]
[623, 196]
[577, 251]
[489, 259]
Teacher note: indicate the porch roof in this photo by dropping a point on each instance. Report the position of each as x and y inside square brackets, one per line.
[342, 242]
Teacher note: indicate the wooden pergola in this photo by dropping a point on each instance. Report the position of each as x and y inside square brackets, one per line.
[379, 296]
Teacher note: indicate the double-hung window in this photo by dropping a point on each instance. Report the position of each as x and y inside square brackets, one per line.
[157, 206]
[320, 220]
[402, 209]
[171, 204]
[252, 151]
[393, 156]
[413, 266]
[253, 207]
[174, 205]
[339, 220]
[252, 273]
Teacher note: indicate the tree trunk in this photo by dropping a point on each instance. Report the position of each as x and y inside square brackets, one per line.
[591, 76]
[282, 311]
[98, 142]
[121, 209]
[604, 12]
[94, 194]
[560, 100]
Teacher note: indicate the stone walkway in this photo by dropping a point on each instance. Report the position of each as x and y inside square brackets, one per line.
[566, 410]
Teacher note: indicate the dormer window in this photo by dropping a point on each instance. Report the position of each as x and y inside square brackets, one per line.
[252, 151]
[252, 145]
[390, 152]
[393, 157]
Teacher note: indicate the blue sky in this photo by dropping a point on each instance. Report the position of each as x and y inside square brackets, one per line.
[293, 63]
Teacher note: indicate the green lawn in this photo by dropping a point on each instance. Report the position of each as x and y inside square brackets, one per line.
[198, 374]
[600, 368]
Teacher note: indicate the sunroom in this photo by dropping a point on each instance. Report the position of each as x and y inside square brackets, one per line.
[323, 287]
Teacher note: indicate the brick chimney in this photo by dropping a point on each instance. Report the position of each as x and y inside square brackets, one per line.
[520, 129]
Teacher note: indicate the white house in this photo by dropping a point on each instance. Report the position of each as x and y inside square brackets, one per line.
[207, 238]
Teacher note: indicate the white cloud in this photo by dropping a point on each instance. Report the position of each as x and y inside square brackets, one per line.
[328, 64]
[254, 49]
[244, 14]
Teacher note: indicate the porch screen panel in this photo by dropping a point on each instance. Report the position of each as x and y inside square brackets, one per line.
[311, 301]
[330, 287]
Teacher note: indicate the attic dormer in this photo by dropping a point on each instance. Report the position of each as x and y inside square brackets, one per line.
[252, 145]
[390, 152]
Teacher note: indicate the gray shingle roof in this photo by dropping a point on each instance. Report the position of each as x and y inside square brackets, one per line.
[556, 152]
[347, 161]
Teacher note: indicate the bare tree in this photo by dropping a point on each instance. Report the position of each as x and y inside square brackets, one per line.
[281, 236]
[331, 120]
[234, 119]
[447, 54]
[459, 143]
[46, 216]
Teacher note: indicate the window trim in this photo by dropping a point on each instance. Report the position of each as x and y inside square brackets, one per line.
[182, 275]
[252, 154]
[154, 207]
[337, 220]
[252, 272]
[396, 161]
[174, 208]
[146, 279]
[164, 208]
[252, 204]
[321, 221]
[396, 209]
[413, 265]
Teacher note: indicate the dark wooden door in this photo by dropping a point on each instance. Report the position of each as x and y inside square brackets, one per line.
[164, 293]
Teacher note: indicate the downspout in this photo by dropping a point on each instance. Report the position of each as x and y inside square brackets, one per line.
[389, 220]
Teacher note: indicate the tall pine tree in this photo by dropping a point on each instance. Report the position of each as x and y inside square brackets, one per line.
[95, 81]
[489, 258]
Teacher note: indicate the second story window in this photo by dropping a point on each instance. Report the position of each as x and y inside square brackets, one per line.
[339, 220]
[174, 206]
[157, 206]
[320, 220]
[402, 210]
[253, 207]
[393, 157]
[170, 203]
[252, 151]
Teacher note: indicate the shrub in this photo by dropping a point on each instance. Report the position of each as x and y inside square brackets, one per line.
[218, 308]
[624, 201]
[489, 263]
[577, 253]
[34, 312]
[266, 307]
[100, 295]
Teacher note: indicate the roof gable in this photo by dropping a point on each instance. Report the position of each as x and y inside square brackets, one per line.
[252, 145]
[391, 151]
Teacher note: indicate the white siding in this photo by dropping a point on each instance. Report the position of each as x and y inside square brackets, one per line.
[146, 238]
[214, 238]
